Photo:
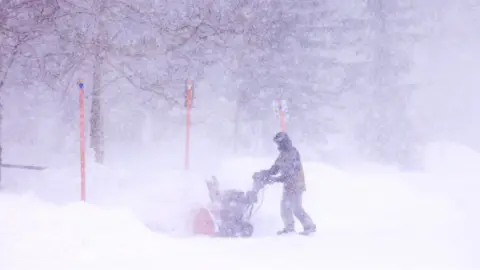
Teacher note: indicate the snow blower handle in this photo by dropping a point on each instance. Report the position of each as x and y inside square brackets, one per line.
[260, 180]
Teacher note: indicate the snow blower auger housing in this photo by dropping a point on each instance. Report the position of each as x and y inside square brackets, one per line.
[232, 209]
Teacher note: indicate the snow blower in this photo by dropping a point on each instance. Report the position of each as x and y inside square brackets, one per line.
[230, 210]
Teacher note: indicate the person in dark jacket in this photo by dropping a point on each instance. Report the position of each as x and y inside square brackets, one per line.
[288, 170]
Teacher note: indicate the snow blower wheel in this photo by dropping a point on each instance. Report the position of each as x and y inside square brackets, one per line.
[247, 230]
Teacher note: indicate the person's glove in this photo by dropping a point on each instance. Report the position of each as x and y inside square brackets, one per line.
[261, 176]
[258, 176]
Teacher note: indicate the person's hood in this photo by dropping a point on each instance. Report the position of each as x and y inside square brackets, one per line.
[283, 141]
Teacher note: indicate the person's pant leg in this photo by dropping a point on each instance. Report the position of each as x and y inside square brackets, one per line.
[296, 204]
[287, 212]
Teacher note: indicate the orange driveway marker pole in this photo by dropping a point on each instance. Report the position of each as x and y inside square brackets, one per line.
[188, 105]
[283, 125]
[82, 140]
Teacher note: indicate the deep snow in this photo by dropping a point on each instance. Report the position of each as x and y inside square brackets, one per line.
[368, 217]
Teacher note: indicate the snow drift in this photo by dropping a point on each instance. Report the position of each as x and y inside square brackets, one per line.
[139, 218]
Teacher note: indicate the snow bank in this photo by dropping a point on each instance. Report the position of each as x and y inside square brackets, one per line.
[161, 199]
[360, 202]
[452, 158]
[366, 219]
[35, 234]
[453, 171]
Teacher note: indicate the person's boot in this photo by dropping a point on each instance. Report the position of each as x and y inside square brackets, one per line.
[309, 230]
[285, 231]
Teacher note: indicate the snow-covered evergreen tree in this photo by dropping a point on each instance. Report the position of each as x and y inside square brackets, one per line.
[385, 130]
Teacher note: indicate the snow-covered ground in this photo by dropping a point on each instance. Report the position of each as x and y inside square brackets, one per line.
[136, 217]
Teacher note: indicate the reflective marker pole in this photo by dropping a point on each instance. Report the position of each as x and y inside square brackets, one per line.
[281, 111]
[82, 139]
[188, 106]
[283, 125]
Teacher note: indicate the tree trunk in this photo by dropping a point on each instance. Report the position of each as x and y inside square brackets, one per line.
[97, 138]
[97, 134]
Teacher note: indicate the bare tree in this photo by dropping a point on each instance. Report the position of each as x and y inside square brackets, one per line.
[21, 23]
[87, 36]
[154, 46]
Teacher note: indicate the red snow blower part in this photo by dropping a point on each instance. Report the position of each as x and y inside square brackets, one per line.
[229, 211]
[203, 223]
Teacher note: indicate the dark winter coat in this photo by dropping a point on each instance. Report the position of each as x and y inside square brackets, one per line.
[289, 167]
